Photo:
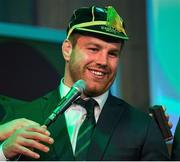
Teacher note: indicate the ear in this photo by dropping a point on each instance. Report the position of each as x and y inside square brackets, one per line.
[67, 49]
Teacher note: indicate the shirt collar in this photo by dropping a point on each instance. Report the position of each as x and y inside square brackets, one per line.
[64, 89]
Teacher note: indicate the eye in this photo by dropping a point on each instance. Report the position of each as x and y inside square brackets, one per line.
[113, 54]
[93, 49]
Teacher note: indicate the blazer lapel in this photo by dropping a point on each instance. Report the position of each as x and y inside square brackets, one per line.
[62, 145]
[108, 119]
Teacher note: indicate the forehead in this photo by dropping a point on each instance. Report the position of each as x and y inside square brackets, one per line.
[96, 40]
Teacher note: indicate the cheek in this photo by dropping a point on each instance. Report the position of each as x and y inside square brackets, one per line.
[114, 66]
[75, 59]
[78, 56]
[77, 63]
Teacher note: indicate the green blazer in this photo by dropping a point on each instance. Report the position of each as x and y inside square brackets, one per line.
[122, 132]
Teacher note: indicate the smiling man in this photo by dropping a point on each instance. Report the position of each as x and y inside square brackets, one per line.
[103, 127]
[93, 59]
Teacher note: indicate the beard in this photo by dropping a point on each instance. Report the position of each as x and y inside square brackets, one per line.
[94, 86]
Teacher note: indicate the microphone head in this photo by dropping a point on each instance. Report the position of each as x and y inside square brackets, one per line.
[80, 85]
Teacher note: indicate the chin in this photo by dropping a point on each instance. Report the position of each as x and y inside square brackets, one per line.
[91, 94]
[95, 91]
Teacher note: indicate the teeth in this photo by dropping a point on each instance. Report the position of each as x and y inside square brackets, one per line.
[97, 73]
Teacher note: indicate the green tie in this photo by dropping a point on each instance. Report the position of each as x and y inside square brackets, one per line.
[86, 129]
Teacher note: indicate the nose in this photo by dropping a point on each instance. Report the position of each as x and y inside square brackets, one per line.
[102, 59]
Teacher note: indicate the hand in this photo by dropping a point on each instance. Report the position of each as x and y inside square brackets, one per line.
[169, 123]
[8, 128]
[166, 115]
[167, 118]
[24, 140]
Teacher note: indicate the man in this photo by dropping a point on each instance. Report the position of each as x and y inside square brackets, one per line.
[95, 38]
[176, 144]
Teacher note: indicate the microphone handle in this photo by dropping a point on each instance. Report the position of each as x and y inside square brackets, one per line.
[53, 116]
[62, 106]
[161, 120]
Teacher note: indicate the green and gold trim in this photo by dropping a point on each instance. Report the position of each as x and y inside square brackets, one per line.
[98, 23]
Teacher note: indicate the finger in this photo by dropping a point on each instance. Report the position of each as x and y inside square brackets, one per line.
[27, 122]
[44, 126]
[36, 133]
[167, 116]
[22, 122]
[34, 144]
[38, 129]
[38, 136]
[27, 152]
[164, 108]
[11, 149]
[170, 124]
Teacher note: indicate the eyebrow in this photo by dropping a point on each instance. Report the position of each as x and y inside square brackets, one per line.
[115, 50]
[92, 43]
[97, 45]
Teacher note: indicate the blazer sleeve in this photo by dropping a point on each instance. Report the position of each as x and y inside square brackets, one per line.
[154, 147]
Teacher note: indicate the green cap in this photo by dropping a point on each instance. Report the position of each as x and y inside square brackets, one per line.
[94, 19]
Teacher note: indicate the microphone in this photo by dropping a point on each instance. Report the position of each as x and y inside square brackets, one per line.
[160, 118]
[75, 91]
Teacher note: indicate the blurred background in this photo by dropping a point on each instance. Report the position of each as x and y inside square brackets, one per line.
[31, 62]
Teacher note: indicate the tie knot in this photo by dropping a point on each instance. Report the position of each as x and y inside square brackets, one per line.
[88, 104]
